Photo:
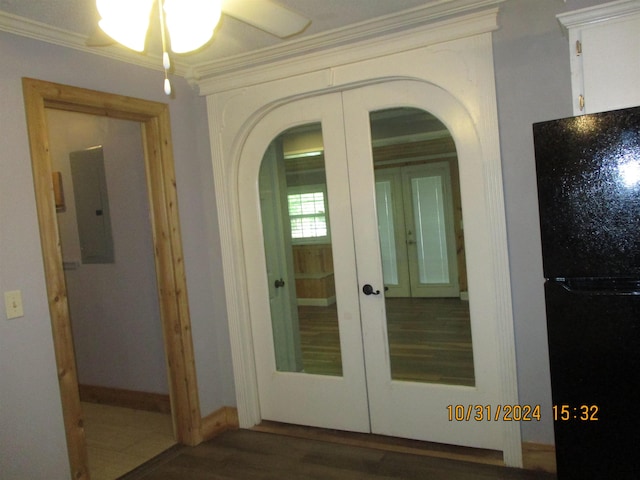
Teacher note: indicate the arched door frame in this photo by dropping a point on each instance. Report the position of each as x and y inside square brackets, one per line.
[461, 64]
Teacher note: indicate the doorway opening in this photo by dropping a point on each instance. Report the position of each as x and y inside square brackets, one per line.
[169, 265]
[108, 262]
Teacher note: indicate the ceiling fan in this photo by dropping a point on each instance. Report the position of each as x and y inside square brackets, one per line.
[189, 24]
[265, 15]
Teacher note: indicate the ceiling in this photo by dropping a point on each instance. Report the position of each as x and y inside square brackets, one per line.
[71, 22]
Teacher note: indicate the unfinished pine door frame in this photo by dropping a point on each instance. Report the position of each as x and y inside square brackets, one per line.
[171, 279]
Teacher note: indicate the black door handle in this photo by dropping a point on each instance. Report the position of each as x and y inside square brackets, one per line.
[279, 283]
[368, 290]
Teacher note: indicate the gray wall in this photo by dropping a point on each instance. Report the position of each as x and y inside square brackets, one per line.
[533, 84]
[32, 436]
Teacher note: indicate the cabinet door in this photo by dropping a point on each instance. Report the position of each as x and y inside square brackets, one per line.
[605, 64]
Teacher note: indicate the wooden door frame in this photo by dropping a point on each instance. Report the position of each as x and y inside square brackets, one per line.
[171, 279]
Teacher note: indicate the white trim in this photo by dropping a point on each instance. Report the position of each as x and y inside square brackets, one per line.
[225, 76]
[367, 31]
[598, 13]
[233, 266]
[243, 97]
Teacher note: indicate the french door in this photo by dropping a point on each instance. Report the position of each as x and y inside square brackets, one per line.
[330, 349]
[416, 224]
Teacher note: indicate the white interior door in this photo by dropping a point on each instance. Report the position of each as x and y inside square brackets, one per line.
[307, 394]
[377, 386]
[402, 403]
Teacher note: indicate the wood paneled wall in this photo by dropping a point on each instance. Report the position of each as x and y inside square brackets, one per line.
[313, 267]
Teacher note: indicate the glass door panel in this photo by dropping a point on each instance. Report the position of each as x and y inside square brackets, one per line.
[428, 327]
[299, 256]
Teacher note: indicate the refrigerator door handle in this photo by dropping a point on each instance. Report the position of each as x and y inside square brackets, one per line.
[599, 285]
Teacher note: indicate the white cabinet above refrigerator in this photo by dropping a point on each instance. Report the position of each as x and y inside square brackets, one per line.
[605, 56]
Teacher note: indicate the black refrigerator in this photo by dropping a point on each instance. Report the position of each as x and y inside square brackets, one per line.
[588, 174]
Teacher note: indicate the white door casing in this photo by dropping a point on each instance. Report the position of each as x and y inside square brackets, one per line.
[453, 55]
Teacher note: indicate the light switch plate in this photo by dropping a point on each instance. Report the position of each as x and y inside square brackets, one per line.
[13, 304]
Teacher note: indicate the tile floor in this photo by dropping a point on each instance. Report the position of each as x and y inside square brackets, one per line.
[120, 439]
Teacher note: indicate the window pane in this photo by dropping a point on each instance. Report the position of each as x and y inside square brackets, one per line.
[306, 212]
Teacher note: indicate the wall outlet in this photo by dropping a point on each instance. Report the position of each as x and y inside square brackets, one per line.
[13, 304]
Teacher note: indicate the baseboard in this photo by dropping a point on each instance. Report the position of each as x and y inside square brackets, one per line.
[537, 456]
[118, 397]
[223, 419]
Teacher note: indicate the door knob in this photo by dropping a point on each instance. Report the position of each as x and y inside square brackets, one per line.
[368, 290]
[279, 283]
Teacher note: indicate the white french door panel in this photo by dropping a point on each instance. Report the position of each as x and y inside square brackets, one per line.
[297, 397]
[401, 408]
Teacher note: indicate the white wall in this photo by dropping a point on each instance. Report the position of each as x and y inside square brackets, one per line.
[32, 440]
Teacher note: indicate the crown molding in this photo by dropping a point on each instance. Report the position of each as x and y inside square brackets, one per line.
[599, 13]
[247, 74]
[387, 25]
[25, 27]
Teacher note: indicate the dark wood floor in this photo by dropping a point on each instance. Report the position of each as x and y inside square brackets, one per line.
[252, 455]
[429, 340]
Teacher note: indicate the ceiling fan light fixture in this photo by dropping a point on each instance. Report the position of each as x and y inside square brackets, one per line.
[126, 21]
[191, 23]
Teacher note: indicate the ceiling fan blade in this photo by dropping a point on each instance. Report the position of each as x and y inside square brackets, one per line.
[266, 15]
